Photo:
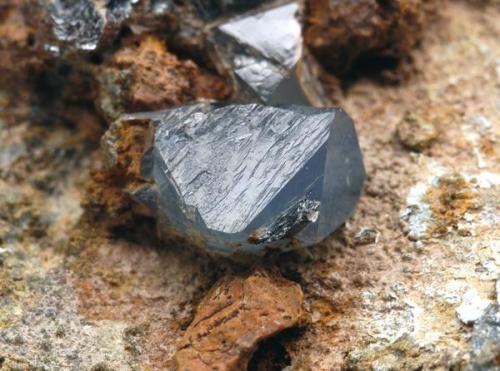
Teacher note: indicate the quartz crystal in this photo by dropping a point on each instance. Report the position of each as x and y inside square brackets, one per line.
[238, 179]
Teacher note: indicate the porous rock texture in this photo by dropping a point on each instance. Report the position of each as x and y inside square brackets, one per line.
[344, 33]
[84, 283]
[143, 75]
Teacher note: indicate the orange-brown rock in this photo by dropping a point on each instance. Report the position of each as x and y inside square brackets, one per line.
[105, 188]
[235, 316]
[145, 76]
[19, 49]
[450, 199]
[340, 32]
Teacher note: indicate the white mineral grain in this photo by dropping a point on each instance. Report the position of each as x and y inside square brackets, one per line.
[472, 307]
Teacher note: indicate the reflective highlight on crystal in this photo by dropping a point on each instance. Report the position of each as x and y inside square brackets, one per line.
[238, 157]
[276, 33]
[243, 178]
[77, 22]
[262, 51]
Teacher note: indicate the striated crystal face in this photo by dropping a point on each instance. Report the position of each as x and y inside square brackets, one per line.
[263, 48]
[241, 178]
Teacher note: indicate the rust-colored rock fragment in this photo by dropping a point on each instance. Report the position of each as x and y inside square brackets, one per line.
[105, 188]
[19, 49]
[235, 316]
[449, 201]
[147, 77]
[341, 32]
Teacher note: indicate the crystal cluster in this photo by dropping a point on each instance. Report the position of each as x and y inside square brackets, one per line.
[242, 178]
[258, 45]
[85, 25]
[239, 179]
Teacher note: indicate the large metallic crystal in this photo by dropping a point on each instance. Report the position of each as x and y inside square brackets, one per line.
[239, 178]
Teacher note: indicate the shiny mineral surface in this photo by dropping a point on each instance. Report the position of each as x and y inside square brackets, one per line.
[88, 25]
[257, 45]
[84, 286]
[264, 49]
[243, 177]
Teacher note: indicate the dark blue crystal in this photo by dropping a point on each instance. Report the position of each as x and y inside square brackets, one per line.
[240, 179]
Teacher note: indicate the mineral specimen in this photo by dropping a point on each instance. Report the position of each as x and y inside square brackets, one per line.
[268, 63]
[235, 316]
[257, 45]
[240, 178]
[86, 25]
[485, 354]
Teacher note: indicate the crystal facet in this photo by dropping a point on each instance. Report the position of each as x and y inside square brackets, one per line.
[240, 178]
[264, 51]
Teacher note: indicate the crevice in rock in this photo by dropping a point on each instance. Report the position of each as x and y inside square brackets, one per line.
[272, 354]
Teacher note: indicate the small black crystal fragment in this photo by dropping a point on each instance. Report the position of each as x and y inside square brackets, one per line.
[118, 10]
[238, 179]
[211, 9]
[290, 222]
